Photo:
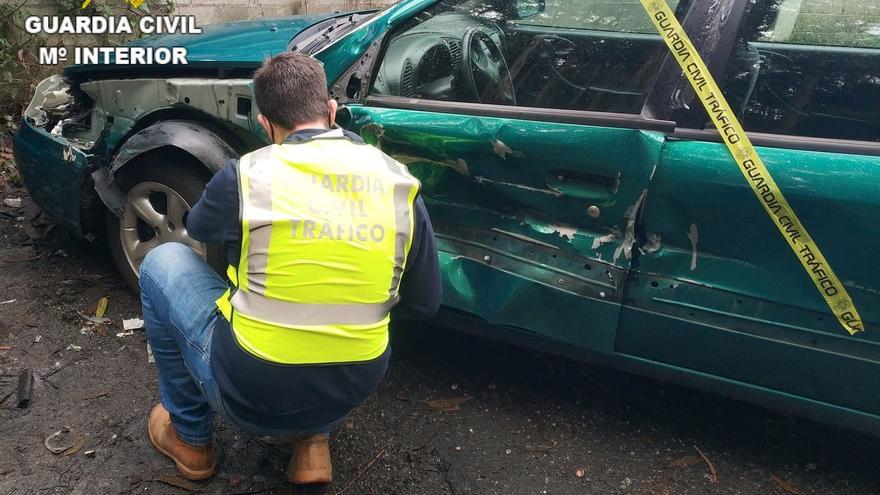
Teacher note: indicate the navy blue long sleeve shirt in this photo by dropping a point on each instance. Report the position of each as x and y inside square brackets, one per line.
[300, 397]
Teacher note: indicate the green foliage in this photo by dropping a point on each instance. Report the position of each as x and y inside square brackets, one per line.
[18, 67]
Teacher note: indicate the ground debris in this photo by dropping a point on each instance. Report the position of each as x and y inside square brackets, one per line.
[12, 202]
[132, 324]
[64, 441]
[129, 326]
[97, 395]
[101, 307]
[364, 470]
[79, 442]
[179, 482]
[784, 485]
[93, 319]
[713, 473]
[24, 388]
[447, 405]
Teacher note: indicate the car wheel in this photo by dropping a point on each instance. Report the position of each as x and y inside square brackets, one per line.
[159, 195]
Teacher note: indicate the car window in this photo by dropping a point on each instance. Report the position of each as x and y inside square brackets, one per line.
[808, 68]
[561, 54]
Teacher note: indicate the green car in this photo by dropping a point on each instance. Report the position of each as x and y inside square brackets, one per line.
[583, 205]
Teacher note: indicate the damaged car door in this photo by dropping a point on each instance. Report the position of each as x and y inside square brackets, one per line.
[523, 122]
[718, 281]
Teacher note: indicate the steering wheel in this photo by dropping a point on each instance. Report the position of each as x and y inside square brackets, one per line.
[483, 66]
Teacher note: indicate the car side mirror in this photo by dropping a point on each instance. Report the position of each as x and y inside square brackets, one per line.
[522, 9]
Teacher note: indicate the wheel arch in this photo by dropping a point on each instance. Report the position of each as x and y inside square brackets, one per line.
[192, 139]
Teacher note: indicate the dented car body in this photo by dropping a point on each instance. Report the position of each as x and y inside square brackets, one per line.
[581, 202]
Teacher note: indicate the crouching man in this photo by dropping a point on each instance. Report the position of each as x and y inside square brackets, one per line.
[324, 235]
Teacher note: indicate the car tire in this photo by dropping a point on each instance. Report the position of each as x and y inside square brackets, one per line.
[159, 194]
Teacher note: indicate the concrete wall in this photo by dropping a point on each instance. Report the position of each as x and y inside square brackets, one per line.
[611, 15]
[212, 11]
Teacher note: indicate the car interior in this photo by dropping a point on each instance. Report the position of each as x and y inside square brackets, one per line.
[560, 56]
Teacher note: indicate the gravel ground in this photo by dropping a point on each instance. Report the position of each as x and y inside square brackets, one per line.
[517, 422]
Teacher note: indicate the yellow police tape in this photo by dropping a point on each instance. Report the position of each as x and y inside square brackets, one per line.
[752, 167]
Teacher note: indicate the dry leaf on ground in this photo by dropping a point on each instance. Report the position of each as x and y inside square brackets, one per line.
[713, 473]
[101, 308]
[79, 441]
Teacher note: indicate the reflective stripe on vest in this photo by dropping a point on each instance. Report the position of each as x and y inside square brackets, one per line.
[326, 228]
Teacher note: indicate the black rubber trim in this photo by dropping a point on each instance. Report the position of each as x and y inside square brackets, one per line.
[786, 142]
[672, 86]
[523, 113]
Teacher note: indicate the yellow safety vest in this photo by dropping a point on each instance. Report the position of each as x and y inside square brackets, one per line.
[326, 227]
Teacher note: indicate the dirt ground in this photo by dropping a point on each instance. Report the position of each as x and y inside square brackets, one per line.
[527, 423]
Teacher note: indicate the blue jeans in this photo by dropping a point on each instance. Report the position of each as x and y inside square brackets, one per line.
[178, 291]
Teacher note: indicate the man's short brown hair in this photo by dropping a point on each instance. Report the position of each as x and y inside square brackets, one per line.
[291, 90]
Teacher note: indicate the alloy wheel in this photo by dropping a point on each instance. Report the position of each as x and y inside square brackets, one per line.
[154, 214]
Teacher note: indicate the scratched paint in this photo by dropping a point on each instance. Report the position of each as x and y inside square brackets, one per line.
[653, 244]
[629, 238]
[564, 231]
[503, 150]
[605, 239]
[694, 237]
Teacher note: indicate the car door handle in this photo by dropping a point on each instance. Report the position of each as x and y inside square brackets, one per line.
[596, 188]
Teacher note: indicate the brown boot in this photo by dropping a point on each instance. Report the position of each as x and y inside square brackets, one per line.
[194, 462]
[310, 462]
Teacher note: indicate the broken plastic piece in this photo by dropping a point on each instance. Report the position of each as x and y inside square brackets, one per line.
[132, 324]
[12, 202]
[51, 95]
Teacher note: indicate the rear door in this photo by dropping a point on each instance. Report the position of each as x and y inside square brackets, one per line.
[533, 191]
[717, 291]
